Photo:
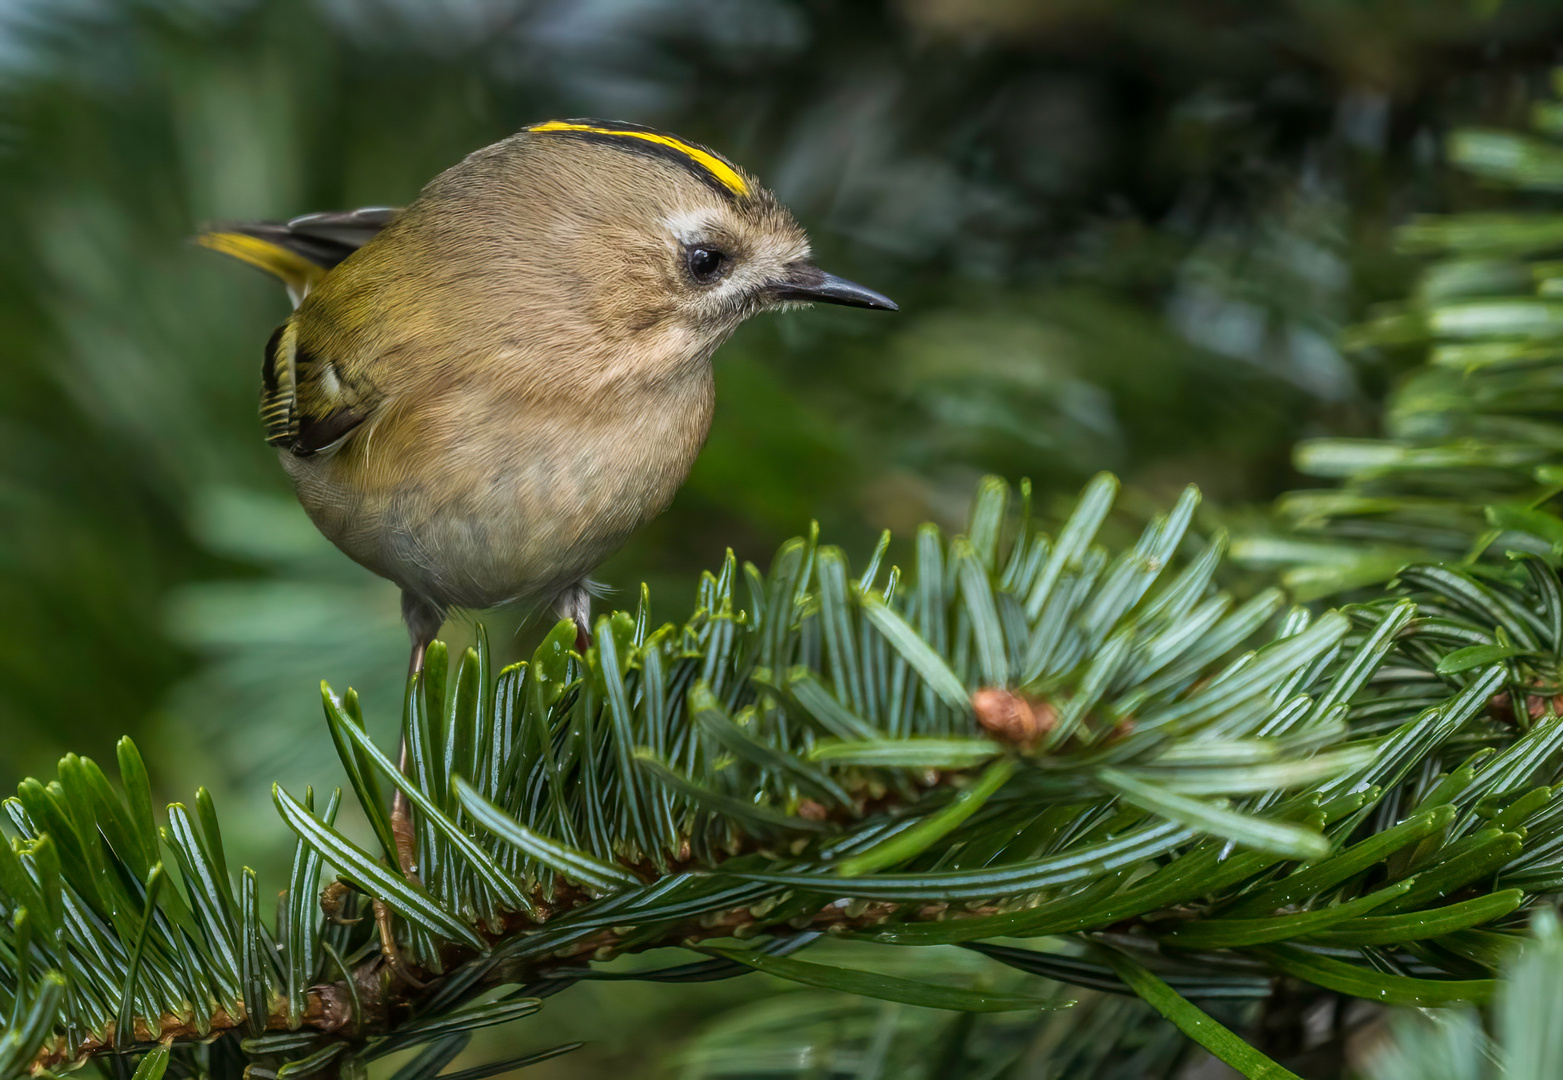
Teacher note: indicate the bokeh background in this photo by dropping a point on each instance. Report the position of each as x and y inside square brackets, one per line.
[1124, 235]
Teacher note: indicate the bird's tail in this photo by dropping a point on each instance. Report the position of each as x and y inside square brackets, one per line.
[298, 252]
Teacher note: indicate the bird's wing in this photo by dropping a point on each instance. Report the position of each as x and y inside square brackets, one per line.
[307, 403]
[298, 251]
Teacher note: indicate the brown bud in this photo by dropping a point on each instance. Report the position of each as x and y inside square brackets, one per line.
[1500, 707]
[1012, 718]
[810, 810]
[1539, 706]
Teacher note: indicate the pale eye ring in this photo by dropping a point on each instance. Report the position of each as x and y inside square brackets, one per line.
[706, 264]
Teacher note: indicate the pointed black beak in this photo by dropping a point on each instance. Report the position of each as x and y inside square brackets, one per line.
[810, 284]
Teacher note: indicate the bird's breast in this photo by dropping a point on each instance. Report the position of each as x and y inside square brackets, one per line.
[474, 498]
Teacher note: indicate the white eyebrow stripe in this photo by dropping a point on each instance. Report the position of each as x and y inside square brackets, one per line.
[692, 227]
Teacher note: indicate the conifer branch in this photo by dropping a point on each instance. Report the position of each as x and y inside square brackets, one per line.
[1025, 736]
[810, 760]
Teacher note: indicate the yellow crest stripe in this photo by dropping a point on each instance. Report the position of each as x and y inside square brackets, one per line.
[721, 170]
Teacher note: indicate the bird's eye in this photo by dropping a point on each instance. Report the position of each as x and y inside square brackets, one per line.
[705, 264]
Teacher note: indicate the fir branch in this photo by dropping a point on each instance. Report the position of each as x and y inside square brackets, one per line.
[1025, 736]
[763, 772]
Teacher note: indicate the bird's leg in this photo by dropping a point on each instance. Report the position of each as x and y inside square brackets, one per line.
[389, 951]
[401, 823]
[575, 604]
[423, 622]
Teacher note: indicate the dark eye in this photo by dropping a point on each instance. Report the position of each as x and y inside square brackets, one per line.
[705, 264]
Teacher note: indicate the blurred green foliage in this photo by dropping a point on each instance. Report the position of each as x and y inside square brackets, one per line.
[1124, 235]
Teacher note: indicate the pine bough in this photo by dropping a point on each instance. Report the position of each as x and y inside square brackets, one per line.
[1096, 768]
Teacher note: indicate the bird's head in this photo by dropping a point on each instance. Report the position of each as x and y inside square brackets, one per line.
[650, 235]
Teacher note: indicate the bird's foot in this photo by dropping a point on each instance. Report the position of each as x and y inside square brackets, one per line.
[390, 952]
[406, 839]
[402, 831]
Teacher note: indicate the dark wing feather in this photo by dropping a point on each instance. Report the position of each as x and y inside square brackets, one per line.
[305, 404]
[300, 250]
[324, 239]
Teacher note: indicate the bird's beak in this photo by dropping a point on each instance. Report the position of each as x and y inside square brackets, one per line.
[811, 285]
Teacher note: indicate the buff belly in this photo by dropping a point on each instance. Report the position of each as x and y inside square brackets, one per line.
[512, 521]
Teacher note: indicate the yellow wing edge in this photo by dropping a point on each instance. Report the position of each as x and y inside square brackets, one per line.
[291, 268]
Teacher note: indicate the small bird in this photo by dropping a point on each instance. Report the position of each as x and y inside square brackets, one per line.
[481, 395]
